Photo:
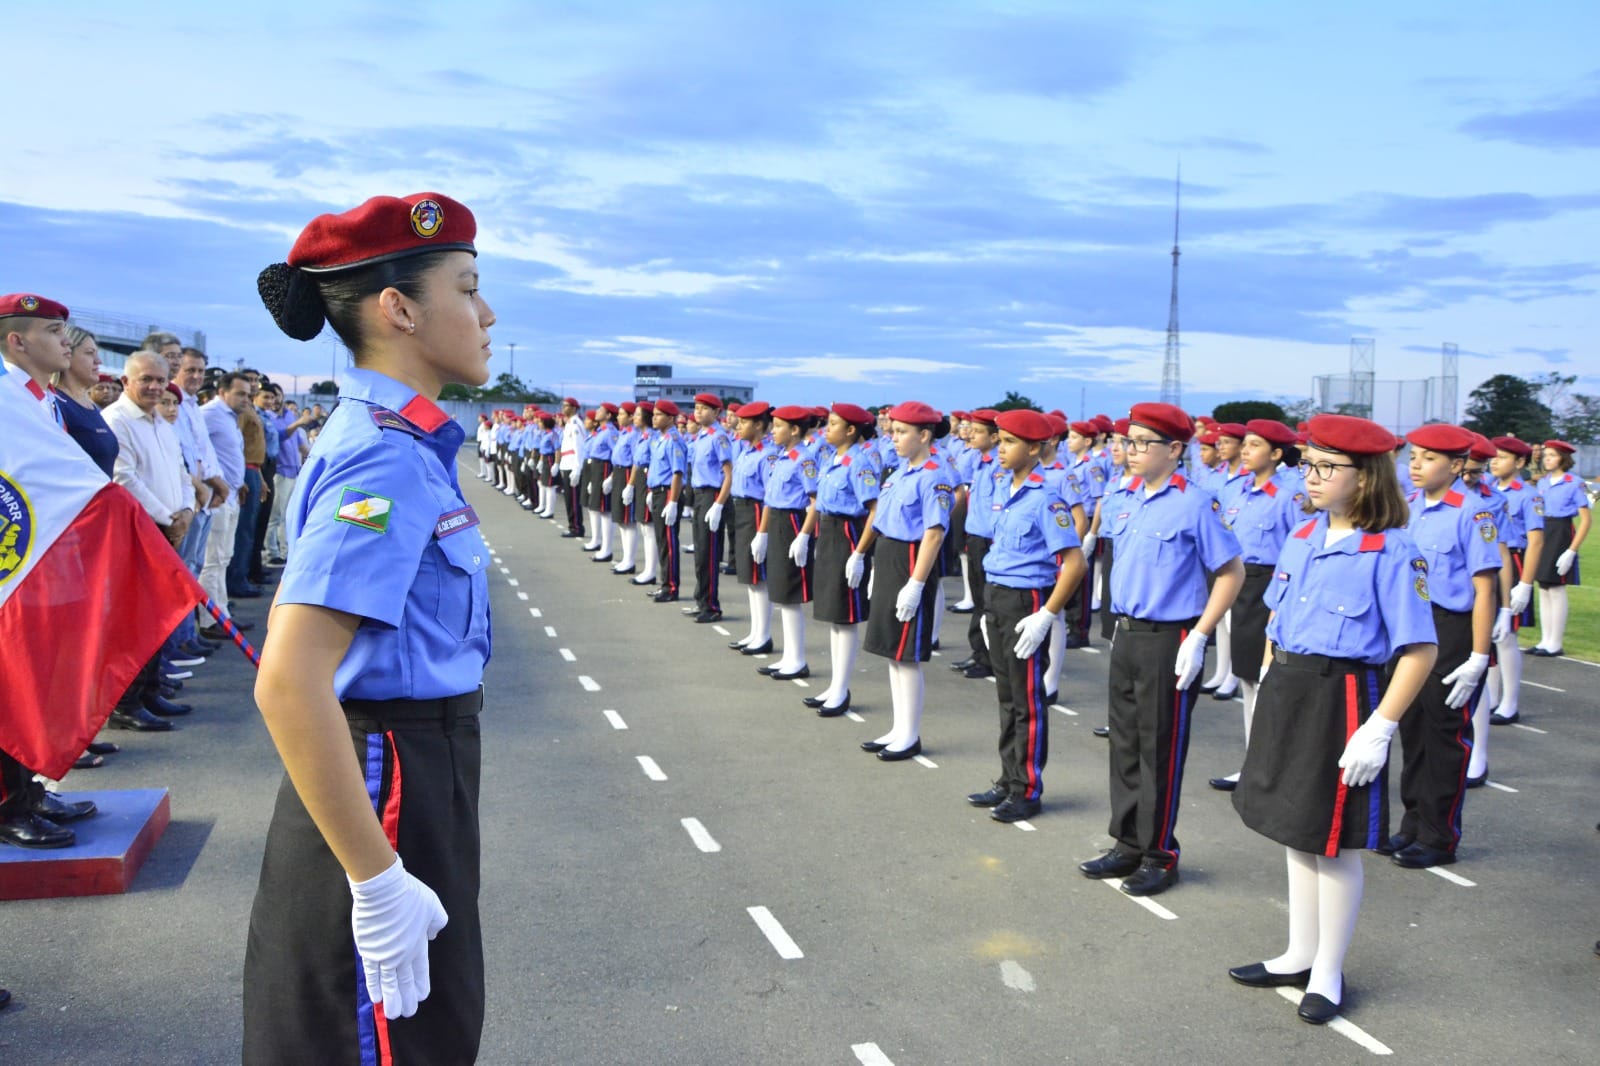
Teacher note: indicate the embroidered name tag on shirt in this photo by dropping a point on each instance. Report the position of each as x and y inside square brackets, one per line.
[455, 522]
[365, 509]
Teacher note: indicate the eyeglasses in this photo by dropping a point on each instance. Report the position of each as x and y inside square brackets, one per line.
[1139, 446]
[1324, 470]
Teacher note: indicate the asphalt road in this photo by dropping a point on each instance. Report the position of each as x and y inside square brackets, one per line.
[648, 797]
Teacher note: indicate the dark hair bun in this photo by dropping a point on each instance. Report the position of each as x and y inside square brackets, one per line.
[941, 429]
[292, 298]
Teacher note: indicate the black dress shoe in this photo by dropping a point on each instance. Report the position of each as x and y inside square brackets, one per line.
[1050, 697]
[665, 597]
[890, 755]
[732, 570]
[244, 594]
[956, 608]
[165, 707]
[1150, 880]
[963, 664]
[243, 627]
[195, 650]
[1113, 863]
[601, 559]
[870, 746]
[1015, 809]
[642, 581]
[215, 633]
[27, 830]
[992, 798]
[1101, 731]
[1256, 975]
[767, 670]
[835, 712]
[708, 616]
[1075, 641]
[1478, 782]
[623, 569]
[1499, 719]
[51, 806]
[1226, 694]
[804, 671]
[764, 648]
[977, 671]
[569, 534]
[1209, 688]
[1318, 1009]
[1223, 784]
[1398, 842]
[139, 719]
[814, 701]
[1420, 856]
[736, 645]
[103, 747]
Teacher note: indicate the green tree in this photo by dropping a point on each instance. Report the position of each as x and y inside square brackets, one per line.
[325, 388]
[454, 391]
[1508, 404]
[1015, 401]
[1297, 409]
[1579, 421]
[1242, 411]
[542, 396]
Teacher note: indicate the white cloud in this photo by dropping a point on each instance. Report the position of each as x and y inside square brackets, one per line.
[858, 370]
[651, 279]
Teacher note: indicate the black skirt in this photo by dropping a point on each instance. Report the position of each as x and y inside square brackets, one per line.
[904, 642]
[1290, 787]
[1557, 539]
[625, 514]
[595, 471]
[1247, 622]
[746, 521]
[836, 602]
[787, 583]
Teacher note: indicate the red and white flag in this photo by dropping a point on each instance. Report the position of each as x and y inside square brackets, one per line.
[89, 589]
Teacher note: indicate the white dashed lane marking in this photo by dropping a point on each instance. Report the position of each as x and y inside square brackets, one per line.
[522, 595]
[1499, 787]
[549, 631]
[536, 612]
[1068, 711]
[1343, 1026]
[651, 770]
[702, 839]
[785, 945]
[1144, 901]
[511, 581]
[854, 717]
[1547, 688]
[566, 653]
[1014, 976]
[1025, 825]
[1451, 876]
[871, 1055]
[923, 760]
[1530, 729]
[615, 719]
[722, 631]
[589, 684]
[503, 570]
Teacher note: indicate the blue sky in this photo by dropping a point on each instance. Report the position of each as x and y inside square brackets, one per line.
[850, 201]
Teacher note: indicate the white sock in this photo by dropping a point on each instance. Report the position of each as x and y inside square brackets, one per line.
[1555, 623]
[1339, 884]
[966, 581]
[627, 535]
[605, 534]
[1224, 656]
[1510, 671]
[905, 692]
[844, 643]
[648, 531]
[1058, 654]
[938, 605]
[1544, 616]
[792, 617]
[1248, 690]
[1490, 695]
[1099, 588]
[760, 616]
[594, 530]
[1303, 912]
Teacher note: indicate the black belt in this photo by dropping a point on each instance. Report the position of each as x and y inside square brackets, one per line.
[1317, 664]
[448, 709]
[1257, 569]
[1130, 624]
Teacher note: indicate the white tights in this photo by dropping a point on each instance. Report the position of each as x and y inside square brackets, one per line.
[1553, 617]
[844, 643]
[905, 693]
[1324, 901]
[792, 617]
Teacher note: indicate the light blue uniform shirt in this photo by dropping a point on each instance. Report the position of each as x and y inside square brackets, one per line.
[1562, 496]
[380, 531]
[1032, 526]
[709, 449]
[600, 443]
[791, 480]
[983, 484]
[849, 482]
[751, 462]
[1459, 538]
[1166, 542]
[622, 450]
[1522, 514]
[913, 500]
[1261, 518]
[668, 456]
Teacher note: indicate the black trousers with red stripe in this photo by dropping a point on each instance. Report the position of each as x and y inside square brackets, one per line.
[1149, 719]
[707, 550]
[573, 500]
[1436, 742]
[1079, 612]
[976, 548]
[1019, 686]
[666, 542]
[305, 992]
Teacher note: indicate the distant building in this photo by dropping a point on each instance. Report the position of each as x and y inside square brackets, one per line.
[119, 335]
[654, 381]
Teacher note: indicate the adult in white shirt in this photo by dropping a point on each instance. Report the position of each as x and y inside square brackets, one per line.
[149, 457]
[570, 463]
[222, 425]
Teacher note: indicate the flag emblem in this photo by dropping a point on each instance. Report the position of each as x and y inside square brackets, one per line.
[364, 509]
[16, 528]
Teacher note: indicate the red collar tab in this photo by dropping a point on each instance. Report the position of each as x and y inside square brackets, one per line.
[1036, 479]
[1179, 482]
[930, 465]
[34, 389]
[1454, 498]
[986, 457]
[1304, 532]
[1270, 488]
[1371, 542]
[423, 412]
[794, 453]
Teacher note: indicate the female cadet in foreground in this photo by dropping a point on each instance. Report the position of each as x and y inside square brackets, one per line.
[753, 456]
[903, 616]
[1349, 592]
[788, 519]
[1566, 525]
[847, 493]
[379, 636]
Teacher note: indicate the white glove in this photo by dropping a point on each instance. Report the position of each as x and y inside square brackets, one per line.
[714, 517]
[1089, 541]
[573, 477]
[855, 568]
[1565, 560]
[798, 549]
[605, 485]
[627, 495]
[1465, 678]
[758, 547]
[1032, 631]
[394, 916]
[1521, 596]
[669, 513]
[1191, 659]
[1502, 625]
[1367, 751]
[909, 600]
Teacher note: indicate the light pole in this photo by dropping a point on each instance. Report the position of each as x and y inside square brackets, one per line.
[513, 346]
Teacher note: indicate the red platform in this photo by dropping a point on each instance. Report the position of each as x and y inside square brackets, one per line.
[111, 847]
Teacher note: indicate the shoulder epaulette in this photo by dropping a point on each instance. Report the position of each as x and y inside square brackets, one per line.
[387, 419]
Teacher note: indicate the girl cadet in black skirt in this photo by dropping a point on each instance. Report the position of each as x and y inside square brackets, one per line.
[1566, 525]
[1261, 509]
[907, 528]
[753, 456]
[783, 541]
[378, 639]
[1348, 594]
[847, 493]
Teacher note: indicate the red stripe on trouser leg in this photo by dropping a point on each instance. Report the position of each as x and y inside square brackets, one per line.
[1035, 712]
[805, 585]
[905, 627]
[1352, 721]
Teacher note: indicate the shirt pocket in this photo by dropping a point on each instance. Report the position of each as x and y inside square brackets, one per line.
[1348, 613]
[461, 604]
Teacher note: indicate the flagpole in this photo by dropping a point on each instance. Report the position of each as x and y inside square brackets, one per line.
[227, 626]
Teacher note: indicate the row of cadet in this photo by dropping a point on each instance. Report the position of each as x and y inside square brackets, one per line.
[1354, 607]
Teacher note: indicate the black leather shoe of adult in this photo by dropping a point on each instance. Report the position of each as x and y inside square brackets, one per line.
[194, 650]
[708, 616]
[835, 712]
[1075, 641]
[27, 830]
[871, 746]
[139, 719]
[803, 672]
[891, 755]
[991, 798]
[665, 597]
[165, 707]
[1113, 863]
[1398, 842]
[1015, 809]
[641, 581]
[956, 608]
[1101, 731]
[1420, 856]
[1223, 784]
[51, 806]
[243, 627]
[758, 649]
[963, 664]
[570, 534]
[1256, 975]
[1150, 880]
[1318, 1009]
[977, 671]
[1050, 697]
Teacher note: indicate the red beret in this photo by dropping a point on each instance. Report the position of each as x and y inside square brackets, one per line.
[647, 407]
[1560, 446]
[1516, 447]
[1104, 421]
[1083, 429]
[1120, 427]
[1171, 422]
[175, 390]
[1271, 431]
[383, 228]
[793, 412]
[109, 379]
[667, 407]
[1302, 436]
[627, 407]
[819, 411]
[755, 409]
[594, 414]
[27, 305]
[1058, 424]
[710, 399]
[1349, 435]
[1482, 449]
[1442, 437]
[856, 416]
[1025, 424]
[915, 413]
[1209, 437]
[1232, 429]
[613, 408]
[986, 416]
[570, 402]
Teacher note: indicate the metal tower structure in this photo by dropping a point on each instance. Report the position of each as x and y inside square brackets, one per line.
[1363, 373]
[1450, 382]
[1171, 375]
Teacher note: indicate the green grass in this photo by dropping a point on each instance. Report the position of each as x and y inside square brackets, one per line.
[1582, 639]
